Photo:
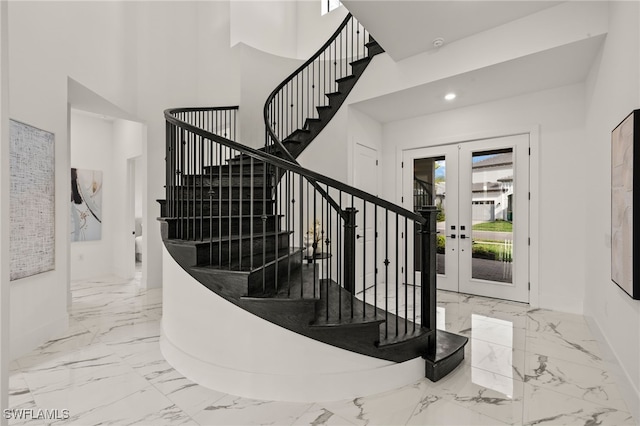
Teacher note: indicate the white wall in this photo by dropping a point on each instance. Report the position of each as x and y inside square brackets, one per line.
[128, 138]
[91, 148]
[260, 73]
[314, 29]
[4, 210]
[559, 116]
[181, 60]
[270, 26]
[138, 194]
[44, 50]
[613, 92]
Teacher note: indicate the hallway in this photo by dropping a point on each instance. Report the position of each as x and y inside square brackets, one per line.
[521, 366]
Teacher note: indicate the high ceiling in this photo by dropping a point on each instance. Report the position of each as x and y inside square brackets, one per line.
[407, 28]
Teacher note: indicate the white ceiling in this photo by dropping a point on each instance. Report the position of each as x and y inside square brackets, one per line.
[552, 68]
[406, 28]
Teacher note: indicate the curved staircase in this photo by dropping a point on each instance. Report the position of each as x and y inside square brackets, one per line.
[296, 248]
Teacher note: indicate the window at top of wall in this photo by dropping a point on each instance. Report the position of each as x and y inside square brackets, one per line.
[329, 5]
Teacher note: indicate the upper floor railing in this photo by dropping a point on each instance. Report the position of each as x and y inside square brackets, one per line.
[298, 97]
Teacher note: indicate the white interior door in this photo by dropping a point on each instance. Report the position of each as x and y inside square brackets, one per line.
[365, 177]
[482, 190]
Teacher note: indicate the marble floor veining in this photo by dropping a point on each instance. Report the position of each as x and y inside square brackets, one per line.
[522, 367]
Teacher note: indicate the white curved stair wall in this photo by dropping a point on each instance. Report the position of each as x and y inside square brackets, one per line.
[220, 346]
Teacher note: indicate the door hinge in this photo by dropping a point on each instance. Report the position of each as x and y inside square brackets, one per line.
[529, 240]
[402, 269]
[529, 151]
[402, 235]
[529, 286]
[529, 196]
[402, 165]
[402, 199]
[376, 162]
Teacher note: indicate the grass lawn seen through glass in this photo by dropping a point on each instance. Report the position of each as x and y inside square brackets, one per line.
[497, 226]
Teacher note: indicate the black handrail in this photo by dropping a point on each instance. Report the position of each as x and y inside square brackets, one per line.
[270, 130]
[284, 164]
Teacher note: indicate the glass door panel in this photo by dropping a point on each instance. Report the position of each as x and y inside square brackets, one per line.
[433, 176]
[494, 217]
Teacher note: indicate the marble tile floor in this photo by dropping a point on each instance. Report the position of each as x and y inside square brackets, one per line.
[522, 367]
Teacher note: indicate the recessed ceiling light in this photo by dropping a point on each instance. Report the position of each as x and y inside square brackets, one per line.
[450, 96]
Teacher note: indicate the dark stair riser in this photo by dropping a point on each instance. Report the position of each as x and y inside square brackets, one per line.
[221, 194]
[275, 275]
[219, 227]
[217, 253]
[235, 169]
[189, 208]
[216, 183]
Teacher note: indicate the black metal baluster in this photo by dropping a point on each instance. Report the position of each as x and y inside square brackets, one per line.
[328, 277]
[289, 227]
[315, 239]
[406, 281]
[375, 260]
[301, 202]
[397, 276]
[364, 259]
[192, 177]
[211, 211]
[219, 161]
[264, 226]
[240, 195]
[252, 201]
[386, 274]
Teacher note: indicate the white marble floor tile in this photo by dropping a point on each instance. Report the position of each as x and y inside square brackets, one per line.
[499, 397]
[389, 408]
[318, 416]
[234, 410]
[582, 349]
[82, 390]
[75, 337]
[547, 407]
[495, 358]
[589, 383]
[434, 411]
[521, 366]
[144, 407]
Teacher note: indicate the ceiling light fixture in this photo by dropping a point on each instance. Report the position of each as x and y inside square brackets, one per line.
[450, 96]
[438, 42]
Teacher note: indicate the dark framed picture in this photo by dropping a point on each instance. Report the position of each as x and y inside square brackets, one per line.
[625, 206]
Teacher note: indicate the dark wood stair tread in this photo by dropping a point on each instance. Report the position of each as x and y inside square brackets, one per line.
[245, 266]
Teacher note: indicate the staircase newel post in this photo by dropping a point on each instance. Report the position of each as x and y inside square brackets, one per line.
[428, 270]
[350, 249]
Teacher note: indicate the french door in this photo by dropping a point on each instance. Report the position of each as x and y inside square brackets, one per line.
[481, 189]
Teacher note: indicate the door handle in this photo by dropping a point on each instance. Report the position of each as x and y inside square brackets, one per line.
[463, 236]
[452, 236]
